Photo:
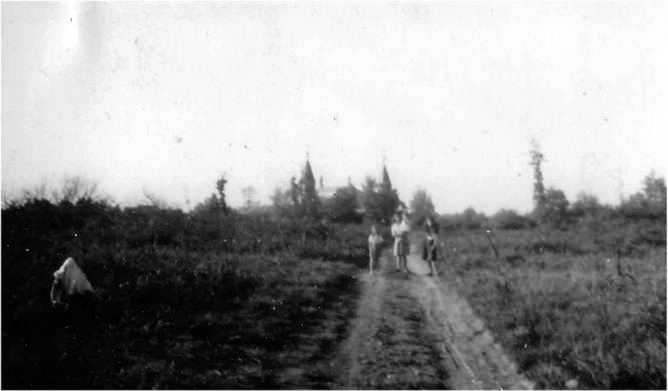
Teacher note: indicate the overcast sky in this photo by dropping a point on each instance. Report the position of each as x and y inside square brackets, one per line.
[165, 97]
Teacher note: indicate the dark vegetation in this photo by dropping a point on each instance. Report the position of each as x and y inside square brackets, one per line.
[211, 298]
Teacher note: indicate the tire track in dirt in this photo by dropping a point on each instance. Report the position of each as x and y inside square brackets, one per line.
[390, 345]
[412, 331]
[478, 362]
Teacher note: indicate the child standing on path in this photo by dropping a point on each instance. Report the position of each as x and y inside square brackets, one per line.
[430, 249]
[374, 248]
[395, 235]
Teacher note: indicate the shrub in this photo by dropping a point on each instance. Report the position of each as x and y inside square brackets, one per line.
[555, 210]
[585, 205]
[468, 219]
[509, 219]
[343, 206]
[649, 204]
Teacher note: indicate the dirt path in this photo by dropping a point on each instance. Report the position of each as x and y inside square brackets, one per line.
[413, 331]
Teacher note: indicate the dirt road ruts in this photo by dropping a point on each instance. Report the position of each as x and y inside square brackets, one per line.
[413, 331]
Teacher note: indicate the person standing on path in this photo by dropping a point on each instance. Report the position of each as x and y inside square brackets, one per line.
[394, 230]
[430, 247]
[374, 248]
[400, 232]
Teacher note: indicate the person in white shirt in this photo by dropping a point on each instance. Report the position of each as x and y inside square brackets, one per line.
[395, 234]
[374, 248]
[400, 232]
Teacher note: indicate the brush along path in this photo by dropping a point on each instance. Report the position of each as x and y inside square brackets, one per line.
[412, 331]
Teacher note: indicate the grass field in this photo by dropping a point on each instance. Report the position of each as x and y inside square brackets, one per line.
[188, 300]
[176, 308]
[245, 323]
[573, 308]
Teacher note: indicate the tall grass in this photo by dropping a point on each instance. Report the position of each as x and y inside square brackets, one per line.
[580, 306]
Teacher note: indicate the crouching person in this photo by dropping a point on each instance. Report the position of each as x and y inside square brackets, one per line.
[73, 299]
[71, 289]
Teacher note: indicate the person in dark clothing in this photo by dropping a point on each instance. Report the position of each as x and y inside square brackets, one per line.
[430, 246]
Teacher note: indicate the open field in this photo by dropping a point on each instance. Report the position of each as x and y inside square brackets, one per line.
[573, 311]
[232, 322]
[173, 310]
[258, 301]
[194, 195]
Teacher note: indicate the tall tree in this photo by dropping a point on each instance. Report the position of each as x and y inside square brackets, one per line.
[539, 199]
[311, 201]
[220, 188]
[389, 199]
[422, 206]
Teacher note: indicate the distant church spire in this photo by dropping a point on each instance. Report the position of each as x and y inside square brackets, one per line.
[386, 177]
[308, 172]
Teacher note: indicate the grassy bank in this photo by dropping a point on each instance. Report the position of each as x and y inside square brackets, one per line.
[575, 308]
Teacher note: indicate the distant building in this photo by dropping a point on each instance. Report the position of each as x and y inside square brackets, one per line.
[325, 192]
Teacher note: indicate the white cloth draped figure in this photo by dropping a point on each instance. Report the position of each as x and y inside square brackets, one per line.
[69, 280]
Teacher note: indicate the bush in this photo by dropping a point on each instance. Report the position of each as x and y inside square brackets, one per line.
[468, 219]
[509, 219]
[649, 204]
[343, 206]
[555, 210]
[585, 205]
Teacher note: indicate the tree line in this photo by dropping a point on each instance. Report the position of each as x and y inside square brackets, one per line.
[374, 202]
[552, 209]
